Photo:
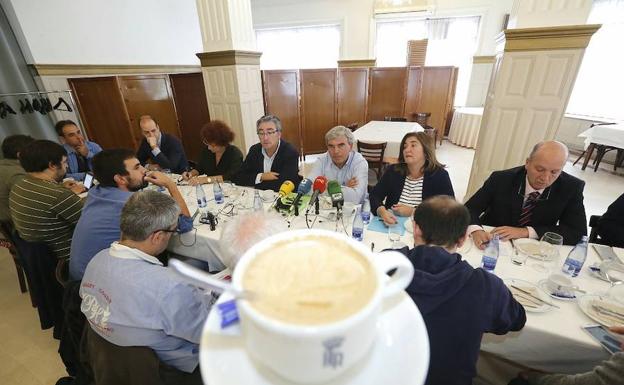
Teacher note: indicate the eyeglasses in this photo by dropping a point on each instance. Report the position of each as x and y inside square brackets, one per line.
[265, 133]
[167, 231]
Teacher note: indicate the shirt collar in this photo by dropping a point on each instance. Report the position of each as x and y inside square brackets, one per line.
[118, 250]
[69, 148]
[528, 189]
[347, 163]
[159, 139]
[279, 142]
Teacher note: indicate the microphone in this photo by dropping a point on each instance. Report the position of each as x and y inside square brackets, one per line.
[303, 189]
[335, 192]
[286, 188]
[319, 187]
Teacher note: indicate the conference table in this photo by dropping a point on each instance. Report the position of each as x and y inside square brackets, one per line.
[611, 135]
[552, 341]
[392, 133]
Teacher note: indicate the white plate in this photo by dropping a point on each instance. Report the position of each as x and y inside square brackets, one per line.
[532, 248]
[585, 304]
[400, 354]
[525, 299]
[543, 284]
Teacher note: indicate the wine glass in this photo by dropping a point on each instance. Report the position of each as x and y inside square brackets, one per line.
[394, 234]
[550, 243]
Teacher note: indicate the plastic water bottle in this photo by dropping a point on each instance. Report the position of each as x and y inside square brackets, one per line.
[575, 260]
[490, 255]
[218, 192]
[257, 203]
[366, 208]
[358, 226]
[201, 197]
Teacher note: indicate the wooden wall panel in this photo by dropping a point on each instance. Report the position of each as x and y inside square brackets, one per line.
[192, 110]
[437, 95]
[318, 108]
[102, 111]
[149, 95]
[281, 98]
[352, 95]
[386, 92]
[413, 92]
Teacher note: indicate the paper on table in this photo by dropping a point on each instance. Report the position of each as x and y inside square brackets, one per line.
[376, 224]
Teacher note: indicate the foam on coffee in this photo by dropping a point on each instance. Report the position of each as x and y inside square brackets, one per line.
[311, 280]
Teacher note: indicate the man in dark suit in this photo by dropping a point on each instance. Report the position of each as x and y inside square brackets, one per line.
[526, 202]
[270, 162]
[164, 150]
[611, 224]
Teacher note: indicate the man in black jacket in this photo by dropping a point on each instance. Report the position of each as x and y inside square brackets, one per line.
[458, 302]
[611, 224]
[164, 150]
[526, 202]
[272, 161]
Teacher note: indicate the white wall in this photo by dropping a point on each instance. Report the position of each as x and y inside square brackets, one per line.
[140, 32]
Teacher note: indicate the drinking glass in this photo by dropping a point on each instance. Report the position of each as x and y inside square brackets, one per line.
[394, 234]
[550, 243]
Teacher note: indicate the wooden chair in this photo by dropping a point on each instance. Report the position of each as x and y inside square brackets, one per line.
[374, 155]
[6, 230]
[395, 119]
[353, 126]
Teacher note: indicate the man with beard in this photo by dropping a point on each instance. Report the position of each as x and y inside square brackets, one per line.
[42, 209]
[119, 174]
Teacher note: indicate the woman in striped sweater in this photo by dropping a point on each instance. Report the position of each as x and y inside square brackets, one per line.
[416, 177]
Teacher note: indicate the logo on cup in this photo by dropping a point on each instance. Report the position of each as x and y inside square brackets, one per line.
[332, 357]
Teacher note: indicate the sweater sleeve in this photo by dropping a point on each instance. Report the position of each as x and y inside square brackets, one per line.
[608, 372]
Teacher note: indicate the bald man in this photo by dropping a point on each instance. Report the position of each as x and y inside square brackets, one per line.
[526, 202]
[164, 151]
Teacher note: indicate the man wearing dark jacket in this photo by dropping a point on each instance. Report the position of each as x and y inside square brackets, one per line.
[272, 161]
[530, 200]
[458, 302]
[164, 150]
[611, 224]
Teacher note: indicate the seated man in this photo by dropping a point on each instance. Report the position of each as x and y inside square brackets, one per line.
[165, 151]
[272, 161]
[526, 202]
[611, 224]
[458, 303]
[42, 209]
[10, 170]
[80, 152]
[342, 164]
[131, 299]
[119, 174]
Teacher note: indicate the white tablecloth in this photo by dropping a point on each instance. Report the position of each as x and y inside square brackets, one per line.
[611, 135]
[465, 126]
[551, 341]
[377, 131]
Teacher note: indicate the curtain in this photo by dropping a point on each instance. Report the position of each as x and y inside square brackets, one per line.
[452, 42]
[15, 77]
[299, 47]
[599, 85]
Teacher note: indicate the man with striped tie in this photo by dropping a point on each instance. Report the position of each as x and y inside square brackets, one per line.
[526, 202]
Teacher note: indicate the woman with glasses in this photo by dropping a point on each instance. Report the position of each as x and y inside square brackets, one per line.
[416, 177]
[220, 159]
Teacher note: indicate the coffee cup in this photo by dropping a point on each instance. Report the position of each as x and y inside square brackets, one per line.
[561, 285]
[316, 317]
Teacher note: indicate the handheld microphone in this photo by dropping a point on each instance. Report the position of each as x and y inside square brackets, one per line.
[335, 192]
[319, 187]
[303, 189]
[286, 188]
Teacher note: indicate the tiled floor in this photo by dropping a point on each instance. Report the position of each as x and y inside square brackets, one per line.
[29, 355]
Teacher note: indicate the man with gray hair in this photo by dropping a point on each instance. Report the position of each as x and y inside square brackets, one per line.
[342, 164]
[530, 200]
[130, 299]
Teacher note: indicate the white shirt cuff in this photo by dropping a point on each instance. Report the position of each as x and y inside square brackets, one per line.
[532, 233]
[258, 178]
[473, 228]
[156, 151]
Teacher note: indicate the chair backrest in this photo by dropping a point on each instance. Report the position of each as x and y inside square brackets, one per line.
[395, 119]
[421, 118]
[374, 154]
[353, 126]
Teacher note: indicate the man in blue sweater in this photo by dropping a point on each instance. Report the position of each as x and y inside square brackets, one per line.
[458, 302]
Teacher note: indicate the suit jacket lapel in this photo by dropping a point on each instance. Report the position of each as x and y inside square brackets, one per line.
[517, 197]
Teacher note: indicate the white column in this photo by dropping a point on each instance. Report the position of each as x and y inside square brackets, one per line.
[543, 13]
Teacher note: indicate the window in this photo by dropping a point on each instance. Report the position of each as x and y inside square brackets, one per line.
[299, 47]
[599, 85]
[452, 42]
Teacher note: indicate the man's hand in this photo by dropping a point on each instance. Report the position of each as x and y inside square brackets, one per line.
[82, 149]
[352, 182]
[618, 330]
[387, 216]
[194, 181]
[186, 175]
[152, 141]
[508, 232]
[160, 179]
[267, 176]
[75, 187]
[403, 210]
[480, 238]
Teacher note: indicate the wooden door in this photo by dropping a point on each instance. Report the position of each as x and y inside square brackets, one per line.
[103, 112]
[413, 92]
[192, 110]
[318, 108]
[352, 94]
[281, 98]
[437, 95]
[386, 92]
[149, 95]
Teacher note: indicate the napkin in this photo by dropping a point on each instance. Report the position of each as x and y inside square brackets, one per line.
[376, 224]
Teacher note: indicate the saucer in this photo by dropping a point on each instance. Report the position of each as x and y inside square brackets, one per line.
[543, 284]
[400, 353]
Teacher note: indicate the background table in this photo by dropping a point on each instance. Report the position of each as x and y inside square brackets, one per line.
[377, 131]
[465, 126]
[611, 135]
[551, 341]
